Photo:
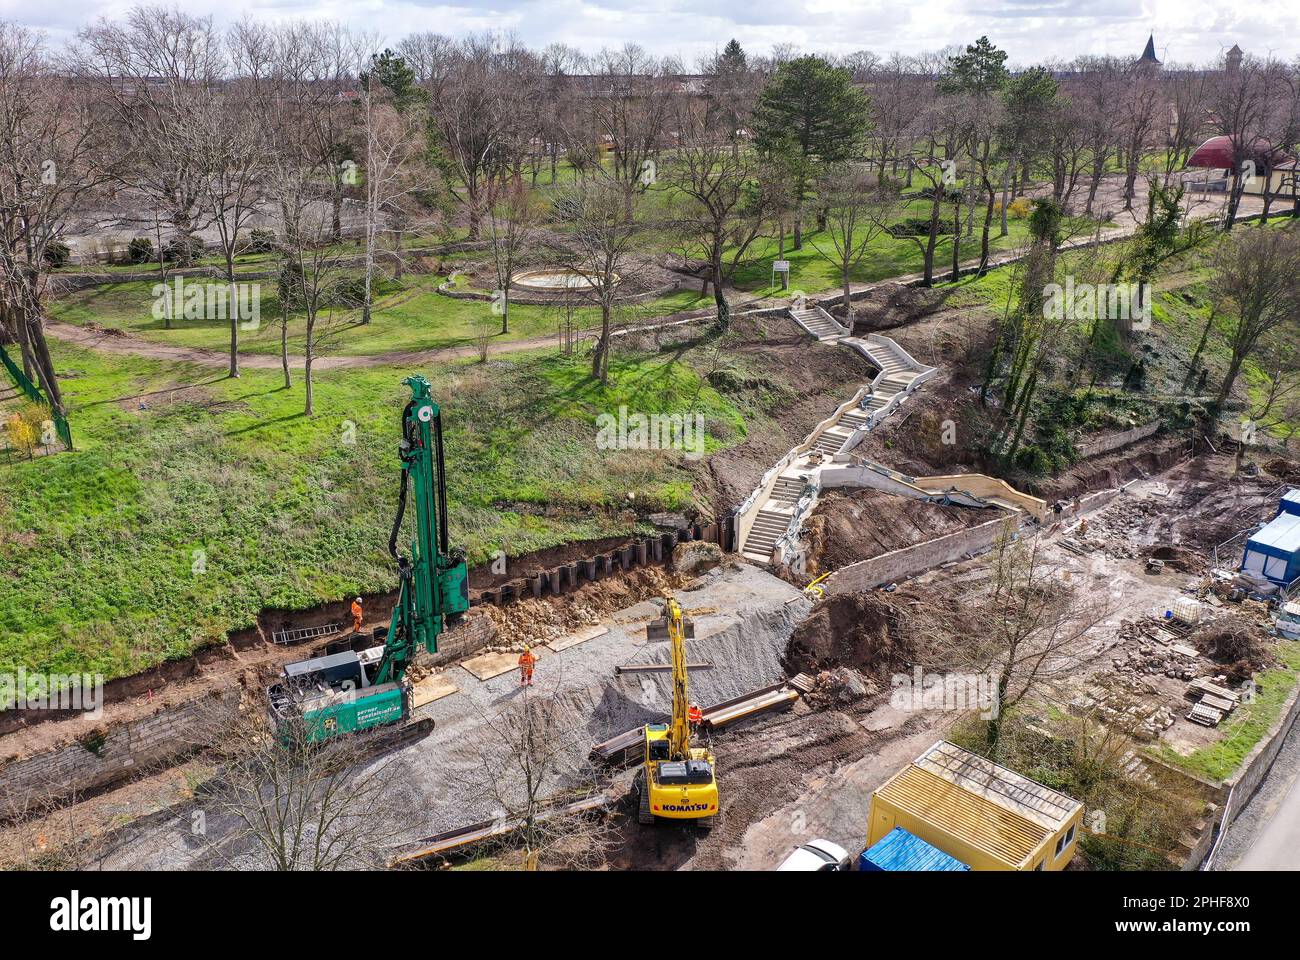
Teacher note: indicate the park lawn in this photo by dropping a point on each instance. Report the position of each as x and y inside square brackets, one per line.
[811, 272]
[256, 262]
[407, 315]
[192, 501]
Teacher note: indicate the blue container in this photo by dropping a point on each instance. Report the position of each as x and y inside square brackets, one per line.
[900, 850]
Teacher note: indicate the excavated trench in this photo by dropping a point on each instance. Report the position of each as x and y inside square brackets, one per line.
[744, 618]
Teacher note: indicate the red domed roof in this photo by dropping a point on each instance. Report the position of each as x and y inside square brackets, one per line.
[1217, 153]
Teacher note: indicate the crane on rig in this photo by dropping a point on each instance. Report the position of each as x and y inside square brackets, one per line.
[355, 690]
[677, 781]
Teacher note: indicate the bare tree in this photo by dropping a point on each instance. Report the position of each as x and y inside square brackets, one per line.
[52, 160]
[627, 100]
[599, 248]
[157, 72]
[472, 119]
[396, 173]
[511, 230]
[311, 267]
[1243, 106]
[723, 214]
[232, 141]
[279, 801]
[859, 209]
[530, 757]
[1028, 630]
[1256, 288]
[1140, 118]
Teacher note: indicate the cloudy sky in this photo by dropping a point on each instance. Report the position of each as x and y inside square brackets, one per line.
[1030, 30]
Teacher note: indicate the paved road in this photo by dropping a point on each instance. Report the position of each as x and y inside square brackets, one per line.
[1267, 834]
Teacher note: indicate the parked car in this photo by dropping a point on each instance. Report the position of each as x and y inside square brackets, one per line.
[816, 855]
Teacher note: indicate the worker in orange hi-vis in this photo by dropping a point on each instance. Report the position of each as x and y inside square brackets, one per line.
[526, 661]
[694, 716]
[356, 615]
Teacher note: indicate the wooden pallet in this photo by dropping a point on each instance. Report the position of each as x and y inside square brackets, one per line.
[1205, 715]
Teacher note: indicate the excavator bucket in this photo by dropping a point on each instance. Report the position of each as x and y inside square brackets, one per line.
[657, 630]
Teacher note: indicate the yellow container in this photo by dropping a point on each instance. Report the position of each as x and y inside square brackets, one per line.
[985, 815]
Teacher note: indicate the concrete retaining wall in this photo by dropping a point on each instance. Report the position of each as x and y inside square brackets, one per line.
[1242, 785]
[910, 561]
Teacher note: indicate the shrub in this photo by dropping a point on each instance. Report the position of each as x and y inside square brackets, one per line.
[57, 253]
[261, 241]
[1033, 459]
[183, 250]
[1020, 208]
[139, 250]
[918, 227]
[350, 292]
[20, 434]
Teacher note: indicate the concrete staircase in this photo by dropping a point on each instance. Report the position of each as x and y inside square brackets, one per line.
[818, 322]
[783, 496]
[769, 526]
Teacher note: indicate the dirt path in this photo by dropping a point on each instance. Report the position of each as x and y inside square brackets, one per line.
[124, 344]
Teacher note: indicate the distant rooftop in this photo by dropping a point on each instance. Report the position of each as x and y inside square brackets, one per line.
[1149, 54]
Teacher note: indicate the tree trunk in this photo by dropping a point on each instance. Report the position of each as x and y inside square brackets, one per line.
[233, 309]
[1006, 189]
[310, 406]
[284, 344]
[1230, 378]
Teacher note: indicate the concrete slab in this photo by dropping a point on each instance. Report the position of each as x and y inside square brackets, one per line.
[489, 665]
[433, 687]
[573, 639]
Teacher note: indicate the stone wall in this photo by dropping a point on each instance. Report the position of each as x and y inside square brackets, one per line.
[467, 638]
[102, 757]
[1106, 444]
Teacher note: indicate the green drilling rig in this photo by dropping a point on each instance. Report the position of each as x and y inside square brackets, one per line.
[356, 690]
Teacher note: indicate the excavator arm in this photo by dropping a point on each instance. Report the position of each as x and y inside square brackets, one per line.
[679, 733]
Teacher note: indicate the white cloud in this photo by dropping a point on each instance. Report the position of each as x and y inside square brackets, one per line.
[1030, 30]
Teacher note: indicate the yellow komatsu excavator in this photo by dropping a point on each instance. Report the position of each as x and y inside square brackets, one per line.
[678, 781]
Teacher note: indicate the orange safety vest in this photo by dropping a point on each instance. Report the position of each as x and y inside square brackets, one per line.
[527, 659]
[356, 609]
[695, 714]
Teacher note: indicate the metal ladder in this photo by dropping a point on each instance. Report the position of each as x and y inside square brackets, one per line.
[305, 633]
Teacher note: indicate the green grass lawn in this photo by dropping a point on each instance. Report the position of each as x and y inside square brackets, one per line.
[887, 257]
[1249, 723]
[408, 315]
[98, 546]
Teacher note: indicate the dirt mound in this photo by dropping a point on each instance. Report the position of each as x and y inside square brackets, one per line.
[1284, 469]
[848, 630]
[696, 557]
[1237, 645]
[848, 527]
[536, 621]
